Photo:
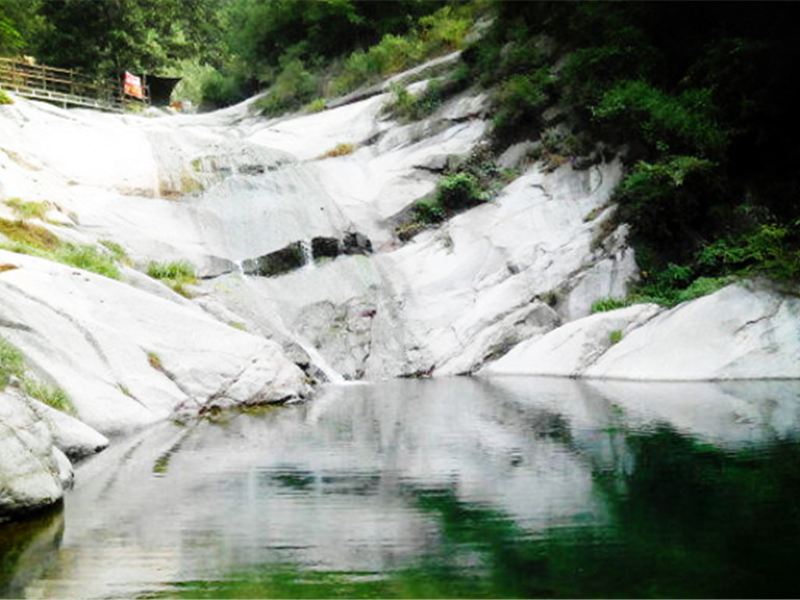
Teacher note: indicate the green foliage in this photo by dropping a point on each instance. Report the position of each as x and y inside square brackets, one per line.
[665, 122]
[117, 251]
[615, 336]
[769, 248]
[29, 209]
[175, 274]
[88, 258]
[437, 33]
[315, 106]
[27, 234]
[429, 211]
[38, 241]
[410, 107]
[11, 363]
[520, 100]
[460, 190]
[294, 86]
[607, 304]
[106, 38]
[5, 98]
[53, 396]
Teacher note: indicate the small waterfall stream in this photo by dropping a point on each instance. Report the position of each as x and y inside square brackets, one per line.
[308, 254]
[319, 361]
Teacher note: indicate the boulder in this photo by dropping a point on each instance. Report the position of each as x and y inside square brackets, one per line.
[743, 331]
[281, 261]
[73, 437]
[33, 472]
[325, 247]
[568, 350]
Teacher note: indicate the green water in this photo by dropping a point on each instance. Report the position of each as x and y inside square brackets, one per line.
[511, 487]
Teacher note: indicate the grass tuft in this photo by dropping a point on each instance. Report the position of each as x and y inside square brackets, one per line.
[28, 234]
[339, 150]
[155, 361]
[5, 98]
[29, 209]
[11, 363]
[53, 396]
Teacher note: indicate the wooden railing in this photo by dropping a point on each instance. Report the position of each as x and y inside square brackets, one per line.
[63, 86]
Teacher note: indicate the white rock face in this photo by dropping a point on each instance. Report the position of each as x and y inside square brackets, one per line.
[569, 350]
[127, 358]
[73, 437]
[740, 332]
[220, 188]
[520, 271]
[33, 473]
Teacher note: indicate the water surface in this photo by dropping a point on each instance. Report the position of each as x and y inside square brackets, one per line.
[456, 487]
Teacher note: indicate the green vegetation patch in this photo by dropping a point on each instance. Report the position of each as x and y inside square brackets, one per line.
[5, 98]
[176, 274]
[27, 238]
[53, 396]
[29, 209]
[22, 232]
[342, 149]
[12, 364]
[607, 304]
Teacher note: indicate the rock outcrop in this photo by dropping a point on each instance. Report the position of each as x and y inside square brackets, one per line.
[299, 263]
[744, 331]
[33, 472]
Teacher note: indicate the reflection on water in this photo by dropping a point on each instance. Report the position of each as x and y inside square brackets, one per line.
[458, 487]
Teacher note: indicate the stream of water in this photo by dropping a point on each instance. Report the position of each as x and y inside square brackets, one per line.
[461, 487]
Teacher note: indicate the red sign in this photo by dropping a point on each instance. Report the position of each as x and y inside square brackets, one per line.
[133, 86]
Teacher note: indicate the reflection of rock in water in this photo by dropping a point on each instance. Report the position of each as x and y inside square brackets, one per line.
[27, 549]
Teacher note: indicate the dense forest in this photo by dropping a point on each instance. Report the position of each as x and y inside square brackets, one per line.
[698, 99]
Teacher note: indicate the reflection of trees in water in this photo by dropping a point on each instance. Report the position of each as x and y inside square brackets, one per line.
[689, 521]
[452, 488]
[27, 548]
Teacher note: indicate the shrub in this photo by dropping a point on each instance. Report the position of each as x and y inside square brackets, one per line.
[428, 211]
[315, 106]
[615, 336]
[519, 101]
[768, 249]
[439, 32]
[292, 88]
[5, 98]
[663, 121]
[459, 190]
[409, 107]
[29, 209]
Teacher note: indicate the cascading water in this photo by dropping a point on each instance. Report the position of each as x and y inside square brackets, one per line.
[319, 361]
[308, 254]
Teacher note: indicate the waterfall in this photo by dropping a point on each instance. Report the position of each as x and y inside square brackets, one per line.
[319, 361]
[308, 255]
